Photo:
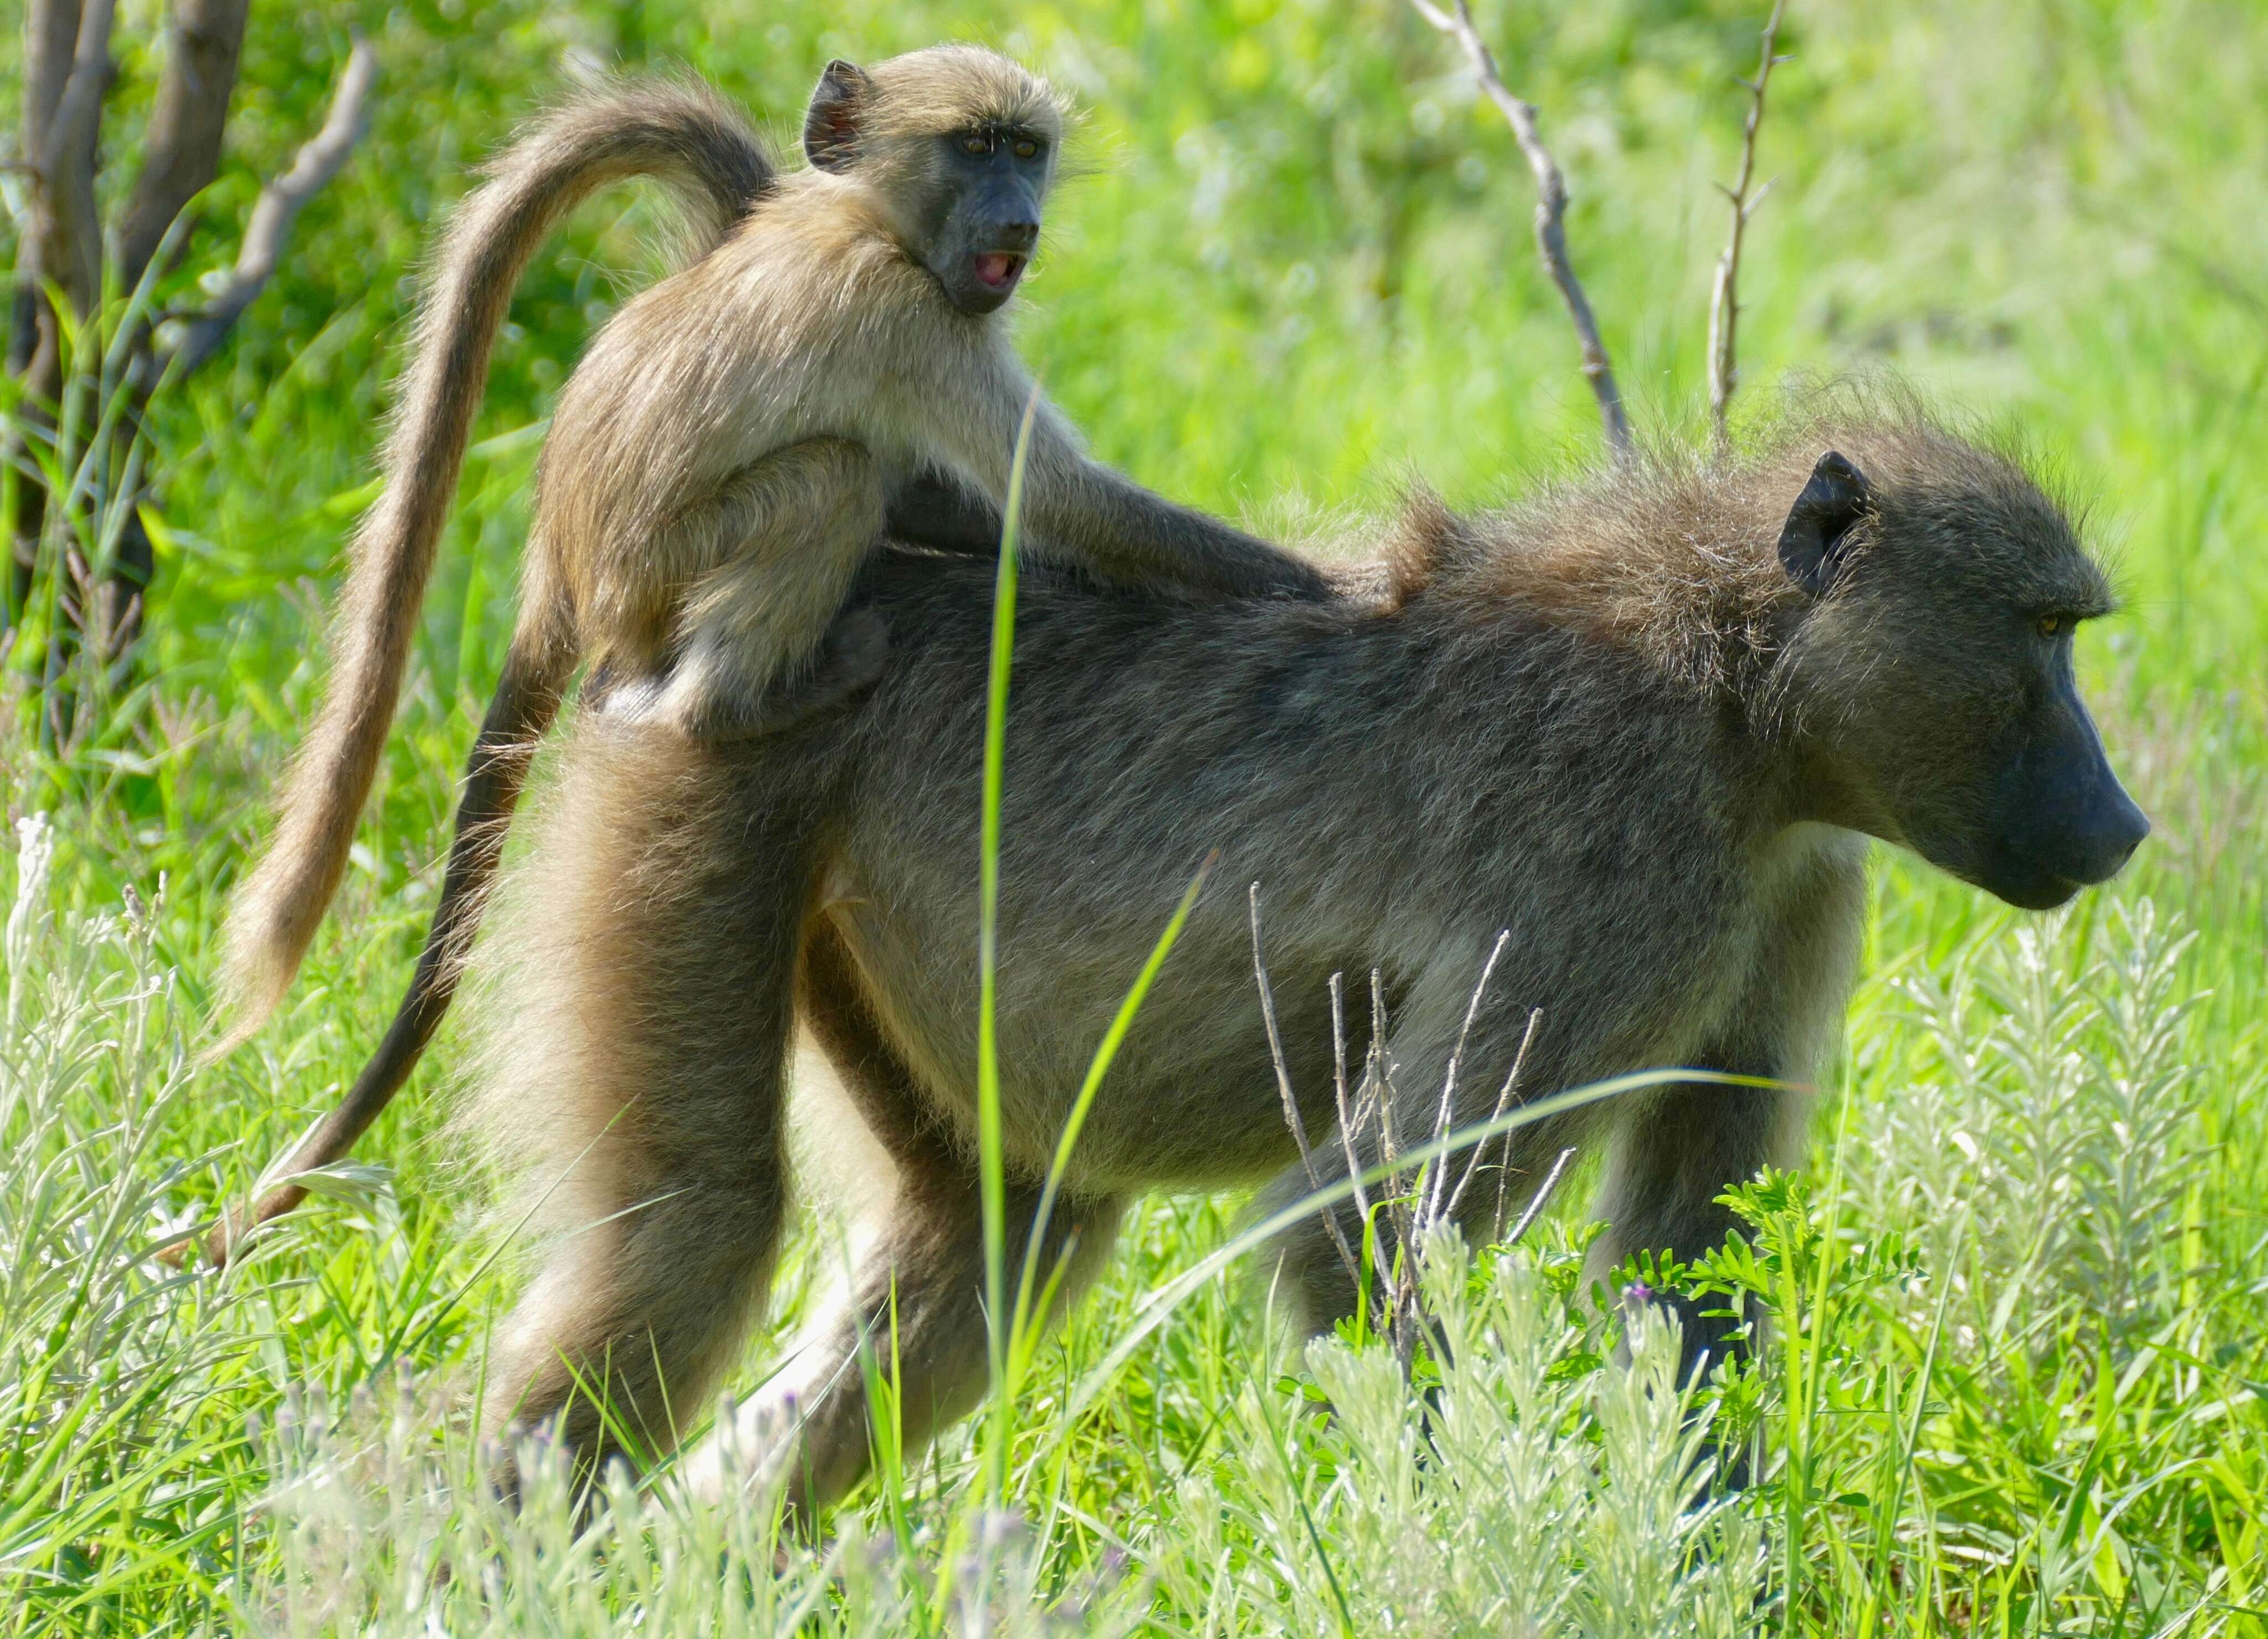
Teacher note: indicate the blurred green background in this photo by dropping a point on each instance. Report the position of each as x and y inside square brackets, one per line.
[1294, 274]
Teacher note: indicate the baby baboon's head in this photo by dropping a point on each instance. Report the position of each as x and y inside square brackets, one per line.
[958, 146]
[1931, 672]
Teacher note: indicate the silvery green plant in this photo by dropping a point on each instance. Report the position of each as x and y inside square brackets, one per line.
[1529, 1488]
[2048, 1150]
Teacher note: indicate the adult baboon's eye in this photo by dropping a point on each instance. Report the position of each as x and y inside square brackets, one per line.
[1026, 148]
[977, 142]
[2048, 624]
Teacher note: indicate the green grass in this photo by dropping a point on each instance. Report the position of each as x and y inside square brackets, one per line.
[2021, 1288]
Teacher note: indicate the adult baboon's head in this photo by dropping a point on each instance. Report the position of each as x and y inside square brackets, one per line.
[1930, 669]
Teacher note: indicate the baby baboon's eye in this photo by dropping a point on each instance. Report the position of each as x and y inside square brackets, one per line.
[977, 142]
[2048, 624]
[1026, 148]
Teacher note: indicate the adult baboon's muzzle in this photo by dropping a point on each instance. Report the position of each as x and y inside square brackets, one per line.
[2069, 825]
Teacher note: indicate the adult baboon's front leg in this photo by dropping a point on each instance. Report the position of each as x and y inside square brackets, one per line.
[641, 1033]
[915, 1306]
[1677, 1149]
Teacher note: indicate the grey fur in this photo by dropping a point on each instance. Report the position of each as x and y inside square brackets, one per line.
[1605, 722]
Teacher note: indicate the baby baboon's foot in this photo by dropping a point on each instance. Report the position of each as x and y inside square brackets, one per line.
[847, 664]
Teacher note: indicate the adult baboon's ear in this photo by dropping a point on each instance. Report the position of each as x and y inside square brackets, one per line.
[1811, 542]
[838, 109]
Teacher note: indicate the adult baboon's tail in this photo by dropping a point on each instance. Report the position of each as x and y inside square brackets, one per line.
[683, 135]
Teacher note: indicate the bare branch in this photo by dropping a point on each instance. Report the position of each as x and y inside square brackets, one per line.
[181, 152]
[1543, 1194]
[1503, 1103]
[1379, 1072]
[317, 162]
[1724, 301]
[1550, 211]
[1349, 1115]
[1291, 1101]
[1440, 1165]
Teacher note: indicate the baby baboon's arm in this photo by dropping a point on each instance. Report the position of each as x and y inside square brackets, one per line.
[1088, 512]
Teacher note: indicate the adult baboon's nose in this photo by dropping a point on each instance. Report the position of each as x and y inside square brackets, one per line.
[2119, 828]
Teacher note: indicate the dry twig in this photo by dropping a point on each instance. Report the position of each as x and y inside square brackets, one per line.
[1724, 301]
[1542, 1195]
[1292, 1118]
[1440, 1167]
[1410, 1208]
[1550, 211]
[1503, 1103]
[317, 161]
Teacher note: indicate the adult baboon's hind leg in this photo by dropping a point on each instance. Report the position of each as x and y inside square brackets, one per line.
[635, 1077]
[916, 1301]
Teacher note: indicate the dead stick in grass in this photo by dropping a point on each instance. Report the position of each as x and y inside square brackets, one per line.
[1292, 1118]
[1724, 301]
[1550, 213]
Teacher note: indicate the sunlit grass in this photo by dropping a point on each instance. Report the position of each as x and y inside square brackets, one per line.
[2015, 1386]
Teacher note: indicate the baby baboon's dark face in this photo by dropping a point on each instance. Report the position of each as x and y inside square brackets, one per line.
[965, 186]
[1936, 671]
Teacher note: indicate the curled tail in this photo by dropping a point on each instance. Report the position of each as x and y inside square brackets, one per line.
[683, 135]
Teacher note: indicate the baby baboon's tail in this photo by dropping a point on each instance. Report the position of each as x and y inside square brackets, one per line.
[527, 699]
[683, 135]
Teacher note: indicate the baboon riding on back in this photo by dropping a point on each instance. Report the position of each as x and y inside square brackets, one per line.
[1637, 729]
[1641, 726]
[718, 465]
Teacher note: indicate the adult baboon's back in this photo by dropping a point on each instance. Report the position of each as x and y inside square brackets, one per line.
[1643, 724]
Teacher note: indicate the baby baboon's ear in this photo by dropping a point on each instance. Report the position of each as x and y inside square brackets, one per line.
[838, 109]
[1811, 542]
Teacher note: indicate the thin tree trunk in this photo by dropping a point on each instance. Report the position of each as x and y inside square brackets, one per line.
[180, 157]
[67, 69]
[68, 73]
[50, 32]
[181, 152]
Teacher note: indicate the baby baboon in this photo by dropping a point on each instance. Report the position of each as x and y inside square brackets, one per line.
[720, 462]
[1645, 724]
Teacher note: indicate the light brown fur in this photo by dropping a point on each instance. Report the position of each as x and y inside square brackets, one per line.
[1641, 724]
[717, 467]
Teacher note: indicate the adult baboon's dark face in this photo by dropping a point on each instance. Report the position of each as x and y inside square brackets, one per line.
[2054, 818]
[1935, 674]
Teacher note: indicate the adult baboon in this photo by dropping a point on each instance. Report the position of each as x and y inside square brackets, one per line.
[719, 463]
[1644, 722]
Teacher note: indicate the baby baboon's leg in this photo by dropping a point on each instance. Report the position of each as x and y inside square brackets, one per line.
[775, 552]
[916, 1299]
[637, 1076]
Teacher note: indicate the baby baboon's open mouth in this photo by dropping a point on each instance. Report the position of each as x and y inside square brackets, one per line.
[999, 269]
